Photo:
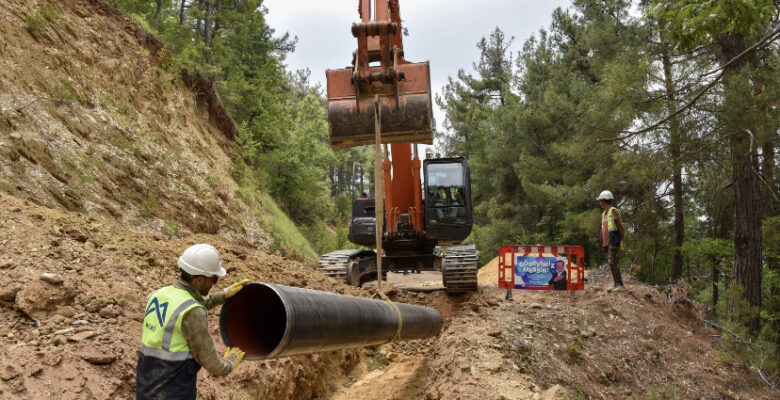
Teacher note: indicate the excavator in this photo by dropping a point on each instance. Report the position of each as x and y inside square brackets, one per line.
[385, 100]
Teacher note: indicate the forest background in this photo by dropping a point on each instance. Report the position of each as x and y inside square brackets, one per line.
[671, 105]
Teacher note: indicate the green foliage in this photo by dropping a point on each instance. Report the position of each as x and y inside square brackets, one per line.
[734, 314]
[35, 23]
[64, 91]
[672, 391]
[690, 22]
[83, 170]
[287, 239]
[576, 351]
[124, 108]
[378, 363]
[149, 206]
[170, 229]
[50, 12]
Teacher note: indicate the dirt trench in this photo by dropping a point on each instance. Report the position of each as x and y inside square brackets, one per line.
[637, 344]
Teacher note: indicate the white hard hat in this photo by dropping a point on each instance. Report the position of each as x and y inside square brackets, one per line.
[201, 259]
[605, 195]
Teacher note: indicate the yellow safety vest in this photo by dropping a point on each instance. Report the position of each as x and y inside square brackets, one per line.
[610, 219]
[162, 337]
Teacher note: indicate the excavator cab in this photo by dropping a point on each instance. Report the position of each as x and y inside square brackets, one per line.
[379, 69]
[447, 206]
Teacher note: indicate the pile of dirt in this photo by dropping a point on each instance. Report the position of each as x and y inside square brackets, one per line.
[93, 120]
[72, 306]
[488, 274]
[638, 342]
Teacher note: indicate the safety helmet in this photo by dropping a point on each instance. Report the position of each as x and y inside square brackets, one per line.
[201, 259]
[605, 195]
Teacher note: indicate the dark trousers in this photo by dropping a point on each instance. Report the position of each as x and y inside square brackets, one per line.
[612, 259]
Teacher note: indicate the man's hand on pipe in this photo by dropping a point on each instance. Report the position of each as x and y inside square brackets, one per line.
[234, 355]
[231, 290]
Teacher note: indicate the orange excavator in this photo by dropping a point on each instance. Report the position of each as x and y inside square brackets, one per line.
[382, 99]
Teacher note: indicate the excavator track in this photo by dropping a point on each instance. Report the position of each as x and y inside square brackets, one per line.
[459, 269]
[334, 264]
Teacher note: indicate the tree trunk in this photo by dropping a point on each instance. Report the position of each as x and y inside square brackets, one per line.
[747, 191]
[361, 181]
[715, 278]
[208, 31]
[157, 13]
[768, 172]
[199, 25]
[676, 154]
[181, 11]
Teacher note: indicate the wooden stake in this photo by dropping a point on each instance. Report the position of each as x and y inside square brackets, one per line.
[379, 190]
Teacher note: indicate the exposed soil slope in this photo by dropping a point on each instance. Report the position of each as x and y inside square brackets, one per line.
[74, 335]
[92, 121]
[638, 342]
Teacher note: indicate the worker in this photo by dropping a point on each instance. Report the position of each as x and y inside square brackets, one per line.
[611, 236]
[175, 339]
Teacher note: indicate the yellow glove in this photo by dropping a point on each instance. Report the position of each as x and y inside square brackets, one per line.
[234, 355]
[235, 288]
[621, 246]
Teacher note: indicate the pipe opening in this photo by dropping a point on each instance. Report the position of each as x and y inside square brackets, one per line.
[255, 321]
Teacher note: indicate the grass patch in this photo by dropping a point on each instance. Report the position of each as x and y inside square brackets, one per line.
[287, 239]
[124, 107]
[381, 363]
[672, 391]
[170, 229]
[576, 351]
[149, 206]
[50, 13]
[520, 353]
[105, 100]
[36, 23]
[64, 91]
[83, 170]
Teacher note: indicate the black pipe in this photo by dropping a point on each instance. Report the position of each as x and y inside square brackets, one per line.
[271, 321]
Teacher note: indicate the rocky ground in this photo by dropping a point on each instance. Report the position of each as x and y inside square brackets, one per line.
[639, 343]
[110, 166]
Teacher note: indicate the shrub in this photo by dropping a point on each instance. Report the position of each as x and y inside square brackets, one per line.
[576, 352]
[124, 107]
[149, 206]
[64, 91]
[170, 229]
[36, 23]
[50, 12]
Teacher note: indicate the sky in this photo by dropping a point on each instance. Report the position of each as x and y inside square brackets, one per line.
[443, 32]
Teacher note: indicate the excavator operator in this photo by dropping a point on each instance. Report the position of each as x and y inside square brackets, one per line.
[176, 340]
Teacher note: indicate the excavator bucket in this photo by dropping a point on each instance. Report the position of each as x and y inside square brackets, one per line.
[403, 87]
[407, 118]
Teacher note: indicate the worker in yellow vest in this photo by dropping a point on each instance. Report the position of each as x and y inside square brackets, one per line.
[176, 340]
[611, 236]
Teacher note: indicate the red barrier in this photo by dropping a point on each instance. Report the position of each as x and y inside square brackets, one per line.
[541, 267]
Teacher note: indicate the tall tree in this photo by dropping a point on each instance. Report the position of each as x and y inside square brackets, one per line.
[729, 25]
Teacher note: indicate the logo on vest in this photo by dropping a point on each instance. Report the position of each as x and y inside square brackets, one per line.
[160, 309]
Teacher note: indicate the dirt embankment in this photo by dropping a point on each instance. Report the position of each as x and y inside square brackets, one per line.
[93, 120]
[109, 167]
[74, 333]
[638, 342]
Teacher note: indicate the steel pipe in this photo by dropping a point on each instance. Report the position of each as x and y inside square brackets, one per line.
[271, 321]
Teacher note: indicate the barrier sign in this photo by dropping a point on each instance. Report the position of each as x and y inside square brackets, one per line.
[541, 267]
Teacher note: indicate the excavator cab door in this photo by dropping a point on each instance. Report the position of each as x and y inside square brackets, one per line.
[447, 207]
